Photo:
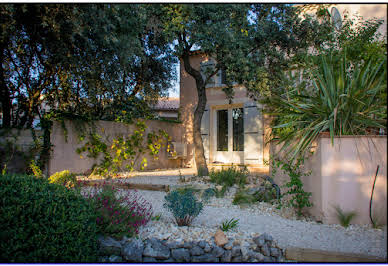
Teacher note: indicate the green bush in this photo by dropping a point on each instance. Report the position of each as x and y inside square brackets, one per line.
[230, 176]
[183, 205]
[243, 197]
[64, 178]
[43, 222]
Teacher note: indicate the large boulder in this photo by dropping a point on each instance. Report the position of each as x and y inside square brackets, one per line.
[132, 250]
[181, 254]
[156, 249]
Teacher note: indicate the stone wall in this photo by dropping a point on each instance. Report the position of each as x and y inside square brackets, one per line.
[263, 249]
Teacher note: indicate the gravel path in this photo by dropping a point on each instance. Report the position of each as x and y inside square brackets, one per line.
[258, 219]
[287, 233]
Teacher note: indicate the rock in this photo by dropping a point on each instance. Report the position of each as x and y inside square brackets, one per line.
[227, 256]
[237, 259]
[267, 259]
[188, 244]
[229, 246]
[173, 245]
[156, 249]
[245, 253]
[265, 250]
[236, 251]
[109, 246]
[207, 248]
[149, 259]
[181, 255]
[217, 251]
[274, 252]
[103, 259]
[168, 260]
[267, 237]
[202, 244]
[218, 187]
[115, 258]
[258, 256]
[133, 250]
[259, 241]
[220, 238]
[196, 251]
[205, 258]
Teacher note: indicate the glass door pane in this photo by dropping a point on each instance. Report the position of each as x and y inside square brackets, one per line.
[238, 129]
[222, 130]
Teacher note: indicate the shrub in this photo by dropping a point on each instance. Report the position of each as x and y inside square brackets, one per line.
[64, 178]
[267, 194]
[119, 215]
[183, 205]
[207, 194]
[243, 197]
[299, 198]
[43, 222]
[230, 176]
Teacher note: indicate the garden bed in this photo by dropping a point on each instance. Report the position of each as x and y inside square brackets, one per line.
[283, 225]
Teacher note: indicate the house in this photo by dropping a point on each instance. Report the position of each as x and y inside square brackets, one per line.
[167, 108]
[234, 133]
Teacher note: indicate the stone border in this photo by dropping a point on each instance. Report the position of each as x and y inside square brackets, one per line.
[263, 249]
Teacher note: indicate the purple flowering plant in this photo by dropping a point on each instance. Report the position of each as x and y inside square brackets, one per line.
[119, 215]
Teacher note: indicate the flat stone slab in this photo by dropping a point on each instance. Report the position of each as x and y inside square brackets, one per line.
[316, 255]
[153, 187]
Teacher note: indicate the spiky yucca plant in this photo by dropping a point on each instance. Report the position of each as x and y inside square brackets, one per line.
[343, 99]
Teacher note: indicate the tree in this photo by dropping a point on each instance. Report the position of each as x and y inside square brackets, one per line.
[252, 43]
[215, 30]
[91, 60]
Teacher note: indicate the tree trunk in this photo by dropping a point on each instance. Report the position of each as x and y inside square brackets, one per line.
[200, 160]
[4, 95]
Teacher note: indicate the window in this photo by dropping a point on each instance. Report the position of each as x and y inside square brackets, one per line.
[222, 130]
[238, 129]
[235, 137]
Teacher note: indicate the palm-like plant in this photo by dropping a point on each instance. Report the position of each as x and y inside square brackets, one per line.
[343, 99]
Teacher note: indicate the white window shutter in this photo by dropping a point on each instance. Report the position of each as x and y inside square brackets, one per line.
[253, 134]
[205, 131]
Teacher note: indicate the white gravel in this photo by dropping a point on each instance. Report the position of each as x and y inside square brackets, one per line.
[258, 219]
[287, 233]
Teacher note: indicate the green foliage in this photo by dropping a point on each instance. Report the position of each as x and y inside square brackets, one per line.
[36, 170]
[64, 178]
[42, 222]
[119, 215]
[344, 217]
[201, 171]
[344, 100]
[299, 198]
[267, 194]
[243, 197]
[129, 150]
[229, 177]
[156, 217]
[207, 194]
[229, 225]
[183, 205]
[132, 63]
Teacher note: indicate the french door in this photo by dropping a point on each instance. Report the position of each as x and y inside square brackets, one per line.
[229, 137]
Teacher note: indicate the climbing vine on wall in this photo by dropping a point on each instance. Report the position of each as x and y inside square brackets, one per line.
[124, 152]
